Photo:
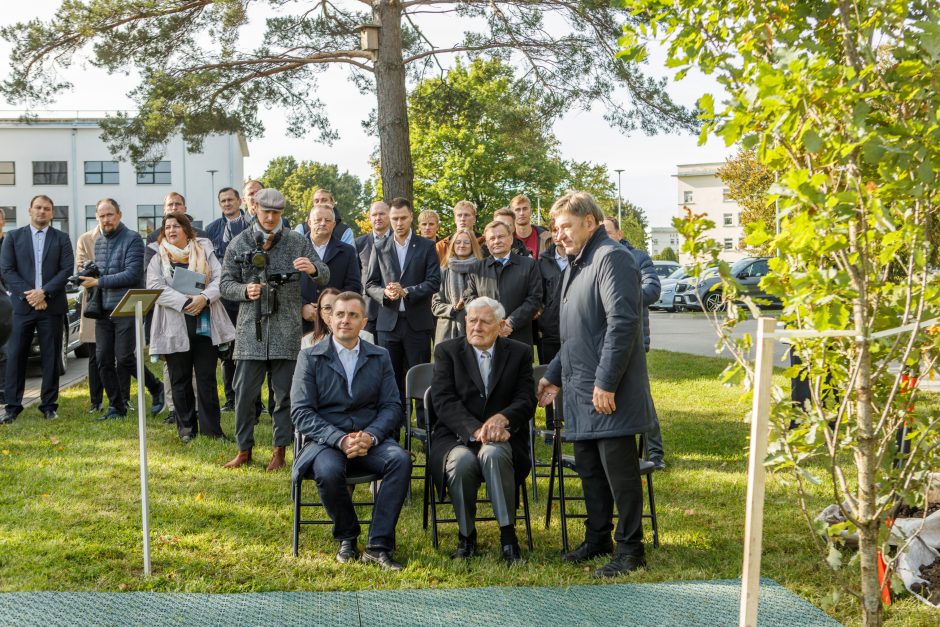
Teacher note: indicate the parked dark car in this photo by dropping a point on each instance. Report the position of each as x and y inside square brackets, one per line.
[748, 272]
[70, 338]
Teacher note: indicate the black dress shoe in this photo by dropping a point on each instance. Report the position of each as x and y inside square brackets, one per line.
[466, 548]
[619, 565]
[347, 551]
[511, 554]
[380, 558]
[7, 419]
[229, 406]
[159, 402]
[50, 414]
[170, 418]
[587, 551]
[95, 409]
[186, 439]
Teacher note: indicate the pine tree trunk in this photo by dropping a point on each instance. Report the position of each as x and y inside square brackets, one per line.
[392, 104]
[865, 456]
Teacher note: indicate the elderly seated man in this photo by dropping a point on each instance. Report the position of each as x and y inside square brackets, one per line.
[345, 402]
[482, 394]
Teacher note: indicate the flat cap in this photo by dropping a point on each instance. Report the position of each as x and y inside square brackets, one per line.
[270, 199]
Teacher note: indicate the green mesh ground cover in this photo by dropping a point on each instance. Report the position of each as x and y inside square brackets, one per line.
[676, 603]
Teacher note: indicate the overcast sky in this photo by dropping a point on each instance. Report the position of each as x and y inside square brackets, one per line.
[648, 162]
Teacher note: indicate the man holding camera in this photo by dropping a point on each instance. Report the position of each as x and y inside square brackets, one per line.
[261, 272]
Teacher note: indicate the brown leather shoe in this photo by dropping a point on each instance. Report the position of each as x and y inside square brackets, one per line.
[277, 459]
[239, 460]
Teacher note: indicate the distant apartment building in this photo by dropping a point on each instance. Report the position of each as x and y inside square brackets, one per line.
[65, 159]
[700, 189]
[662, 237]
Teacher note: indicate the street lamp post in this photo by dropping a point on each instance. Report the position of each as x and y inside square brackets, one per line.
[212, 202]
[619, 200]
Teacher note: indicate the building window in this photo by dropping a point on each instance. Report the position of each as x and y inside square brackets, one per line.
[147, 218]
[50, 173]
[726, 195]
[91, 217]
[154, 173]
[729, 243]
[687, 196]
[9, 215]
[101, 173]
[7, 173]
[729, 219]
[60, 217]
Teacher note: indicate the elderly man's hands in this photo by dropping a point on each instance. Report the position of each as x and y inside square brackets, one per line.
[495, 429]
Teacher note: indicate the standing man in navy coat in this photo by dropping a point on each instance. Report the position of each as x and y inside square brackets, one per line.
[36, 261]
[365, 248]
[404, 274]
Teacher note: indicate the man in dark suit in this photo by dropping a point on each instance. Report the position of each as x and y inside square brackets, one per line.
[365, 247]
[512, 280]
[404, 275]
[340, 257]
[36, 261]
[482, 394]
[221, 231]
[607, 399]
[344, 401]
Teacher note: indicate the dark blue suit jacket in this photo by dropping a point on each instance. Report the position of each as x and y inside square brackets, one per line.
[344, 272]
[215, 231]
[18, 266]
[421, 278]
[322, 409]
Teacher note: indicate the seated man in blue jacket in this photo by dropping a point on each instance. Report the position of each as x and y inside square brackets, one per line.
[345, 402]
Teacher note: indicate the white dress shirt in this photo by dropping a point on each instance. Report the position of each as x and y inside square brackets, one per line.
[348, 357]
[402, 251]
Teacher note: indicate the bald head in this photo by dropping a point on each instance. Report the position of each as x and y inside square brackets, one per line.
[378, 218]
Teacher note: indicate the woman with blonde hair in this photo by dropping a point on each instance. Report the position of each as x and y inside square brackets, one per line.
[188, 326]
[461, 258]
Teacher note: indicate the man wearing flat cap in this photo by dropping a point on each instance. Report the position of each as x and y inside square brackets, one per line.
[261, 272]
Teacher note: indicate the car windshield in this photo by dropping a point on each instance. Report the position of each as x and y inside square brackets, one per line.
[664, 271]
[741, 264]
[680, 273]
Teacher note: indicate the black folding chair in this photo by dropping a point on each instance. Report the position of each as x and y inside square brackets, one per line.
[537, 373]
[417, 382]
[561, 462]
[431, 493]
[352, 480]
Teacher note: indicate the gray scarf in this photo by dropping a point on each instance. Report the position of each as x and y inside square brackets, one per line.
[457, 277]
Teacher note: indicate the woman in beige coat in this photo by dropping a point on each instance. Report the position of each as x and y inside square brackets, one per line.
[188, 328]
[85, 252]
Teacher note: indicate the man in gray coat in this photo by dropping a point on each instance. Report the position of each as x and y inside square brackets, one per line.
[652, 288]
[602, 368]
[261, 273]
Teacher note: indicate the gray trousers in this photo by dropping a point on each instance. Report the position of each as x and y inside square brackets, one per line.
[466, 470]
[249, 377]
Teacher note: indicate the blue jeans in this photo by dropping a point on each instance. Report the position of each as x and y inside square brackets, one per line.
[387, 460]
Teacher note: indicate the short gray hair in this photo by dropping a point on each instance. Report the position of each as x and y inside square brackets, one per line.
[580, 204]
[485, 301]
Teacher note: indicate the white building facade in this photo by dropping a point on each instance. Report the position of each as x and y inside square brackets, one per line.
[65, 159]
[663, 237]
[700, 189]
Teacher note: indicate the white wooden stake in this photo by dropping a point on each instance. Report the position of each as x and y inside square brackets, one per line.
[142, 426]
[754, 513]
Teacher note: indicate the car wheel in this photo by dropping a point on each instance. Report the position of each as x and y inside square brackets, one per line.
[64, 353]
[713, 301]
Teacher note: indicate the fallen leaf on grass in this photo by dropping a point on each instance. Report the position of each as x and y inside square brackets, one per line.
[6, 451]
[53, 439]
[689, 512]
[123, 586]
[45, 495]
[200, 497]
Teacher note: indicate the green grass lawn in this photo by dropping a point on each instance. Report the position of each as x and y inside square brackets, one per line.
[70, 512]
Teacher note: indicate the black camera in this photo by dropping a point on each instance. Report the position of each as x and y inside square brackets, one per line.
[88, 270]
[276, 279]
[257, 258]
